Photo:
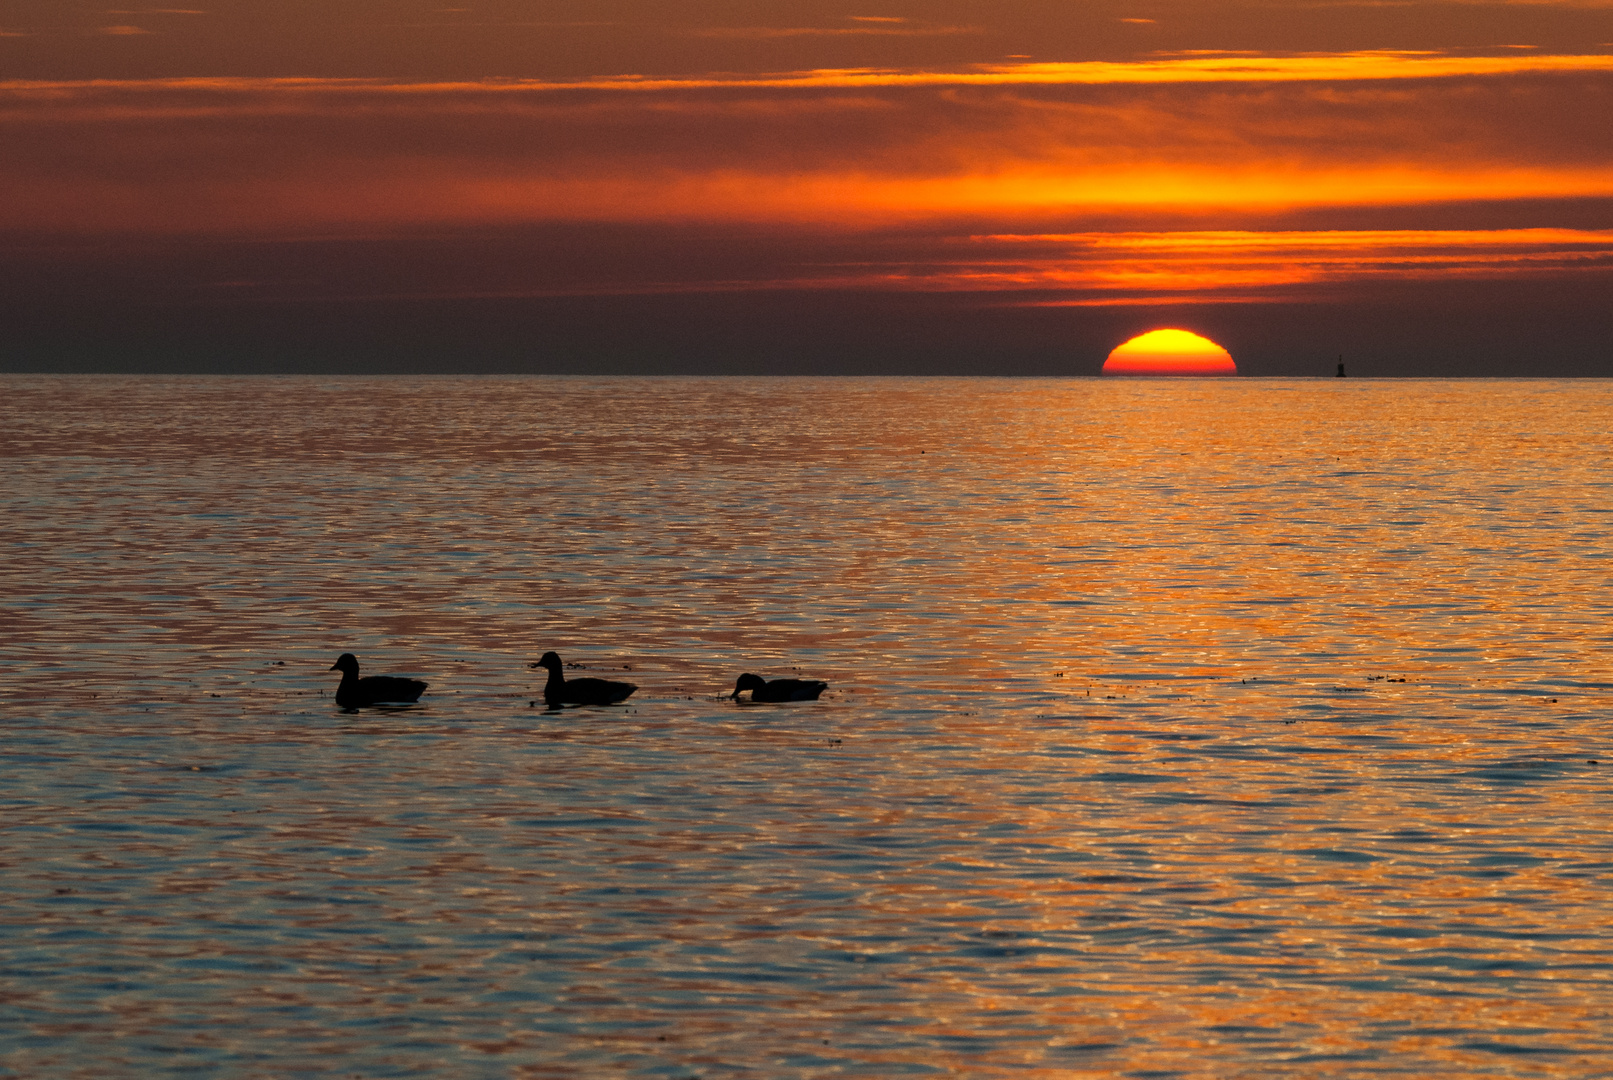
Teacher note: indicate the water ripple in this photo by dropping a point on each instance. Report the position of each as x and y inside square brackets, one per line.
[1232, 728]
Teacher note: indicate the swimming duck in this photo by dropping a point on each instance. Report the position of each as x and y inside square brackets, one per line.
[355, 693]
[560, 690]
[778, 689]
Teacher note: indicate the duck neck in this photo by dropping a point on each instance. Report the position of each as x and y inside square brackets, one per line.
[555, 684]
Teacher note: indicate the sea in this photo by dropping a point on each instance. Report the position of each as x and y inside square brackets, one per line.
[1186, 728]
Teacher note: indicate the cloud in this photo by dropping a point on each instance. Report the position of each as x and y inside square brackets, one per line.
[1571, 5]
[882, 29]
[122, 31]
[272, 156]
[1207, 264]
[1179, 67]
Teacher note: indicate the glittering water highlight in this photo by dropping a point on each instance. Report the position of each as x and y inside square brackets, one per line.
[1201, 728]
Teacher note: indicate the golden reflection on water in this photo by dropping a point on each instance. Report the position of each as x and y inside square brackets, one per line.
[1219, 728]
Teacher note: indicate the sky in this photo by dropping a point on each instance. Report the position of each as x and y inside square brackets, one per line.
[805, 187]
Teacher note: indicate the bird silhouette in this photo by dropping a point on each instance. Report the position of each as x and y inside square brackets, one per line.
[778, 689]
[560, 690]
[356, 693]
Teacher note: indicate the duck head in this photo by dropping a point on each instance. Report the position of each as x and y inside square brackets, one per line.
[551, 661]
[346, 663]
[747, 681]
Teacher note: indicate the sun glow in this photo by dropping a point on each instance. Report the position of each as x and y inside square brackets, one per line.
[1169, 352]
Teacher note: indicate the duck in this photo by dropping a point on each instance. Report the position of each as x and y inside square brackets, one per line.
[560, 690]
[356, 693]
[778, 689]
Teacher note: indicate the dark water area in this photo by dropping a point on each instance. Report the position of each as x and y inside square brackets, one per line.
[1178, 728]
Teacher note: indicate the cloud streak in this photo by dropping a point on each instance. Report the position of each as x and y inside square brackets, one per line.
[1077, 180]
[1200, 66]
[872, 27]
[1211, 265]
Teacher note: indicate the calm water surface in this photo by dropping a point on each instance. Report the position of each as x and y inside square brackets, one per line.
[1234, 728]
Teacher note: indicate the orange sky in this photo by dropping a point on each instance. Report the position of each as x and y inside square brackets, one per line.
[1117, 168]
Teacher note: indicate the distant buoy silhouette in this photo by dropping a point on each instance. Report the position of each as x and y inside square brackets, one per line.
[560, 690]
[1341, 368]
[356, 693]
[778, 689]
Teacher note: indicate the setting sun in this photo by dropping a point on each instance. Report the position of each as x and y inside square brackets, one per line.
[1169, 352]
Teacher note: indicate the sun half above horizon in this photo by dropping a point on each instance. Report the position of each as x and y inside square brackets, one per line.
[1169, 352]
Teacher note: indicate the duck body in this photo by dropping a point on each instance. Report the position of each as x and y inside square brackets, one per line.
[560, 690]
[356, 693]
[778, 689]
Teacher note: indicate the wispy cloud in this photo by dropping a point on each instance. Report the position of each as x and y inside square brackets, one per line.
[121, 31]
[1206, 263]
[1182, 67]
[1225, 266]
[1028, 146]
[1592, 5]
[867, 27]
